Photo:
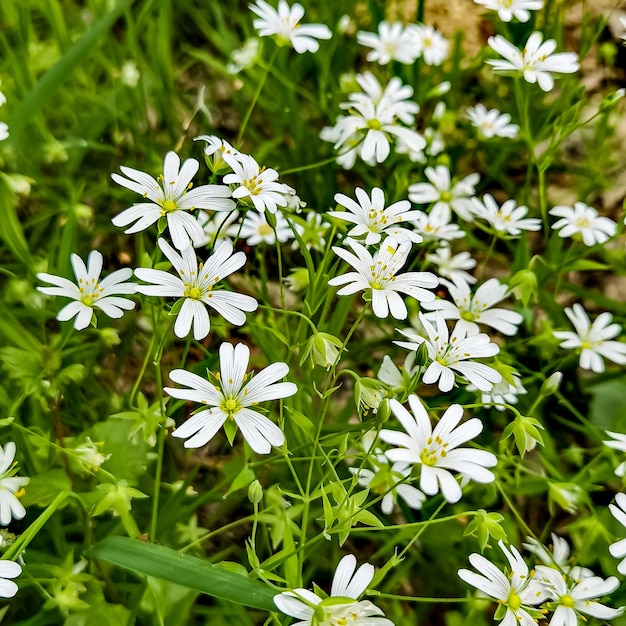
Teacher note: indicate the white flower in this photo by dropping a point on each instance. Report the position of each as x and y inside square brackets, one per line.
[436, 450]
[215, 226]
[8, 569]
[516, 592]
[436, 225]
[559, 557]
[509, 218]
[285, 25]
[393, 99]
[593, 339]
[373, 219]
[502, 393]
[441, 191]
[535, 61]
[342, 607]
[579, 598]
[392, 43]
[618, 549]
[172, 199]
[4, 131]
[89, 292]
[623, 23]
[373, 122]
[196, 287]
[214, 150]
[618, 443]
[312, 231]
[379, 274]
[243, 57]
[450, 354]
[431, 45]
[492, 123]
[3, 99]
[585, 220]
[453, 267]
[509, 9]
[130, 75]
[10, 489]
[472, 310]
[229, 395]
[390, 480]
[255, 182]
[256, 230]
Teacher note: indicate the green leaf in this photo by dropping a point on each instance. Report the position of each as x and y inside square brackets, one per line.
[243, 479]
[10, 229]
[585, 265]
[55, 77]
[43, 488]
[182, 569]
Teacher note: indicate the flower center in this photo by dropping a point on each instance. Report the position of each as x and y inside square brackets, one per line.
[230, 405]
[169, 205]
[582, 222]
[253, 185]
[374, 124]
[265, 230]
[192, 292]
[435, 449]
[514, 602]
[90, 291]
[468, 316]
[567, 601]
[446, 196]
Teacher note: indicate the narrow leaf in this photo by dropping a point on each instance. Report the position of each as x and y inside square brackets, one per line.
[185, 570]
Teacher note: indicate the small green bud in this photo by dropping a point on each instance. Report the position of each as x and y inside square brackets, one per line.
[567, 495]
[524, 286]
[298, 279]
[610, 100]
[322, 349]
[551, 384]
[110, 337]
[255, 492]
[421, 355]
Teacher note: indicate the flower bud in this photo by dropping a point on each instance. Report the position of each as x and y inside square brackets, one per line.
[551, 384]
[255, 492]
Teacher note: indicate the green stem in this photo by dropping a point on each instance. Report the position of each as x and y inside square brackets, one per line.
[31, 532]
[257, 93]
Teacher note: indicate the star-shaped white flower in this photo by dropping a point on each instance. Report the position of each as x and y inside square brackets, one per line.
[492, 123]
[585, 221]
[11, 486]
[473, 309]
[593, 339]
[255, 182]
[618, 549]
[196, 287]
[229, 396]
[577, 599]
[431, 45]
[436, 225]
[89, 291]
[255, 229]
[506, 219]
[618, 442]
[535, 61]
[516, 591]
[372, 124]
[452, 266]
[391, 43]
[171, 198]
[9, 569]
[373, 219]
[443, 193]
[509, 9]
[378, 275]
[284, 24]
[436, 450]
[342, 607]
[450, 354]
[558, 558]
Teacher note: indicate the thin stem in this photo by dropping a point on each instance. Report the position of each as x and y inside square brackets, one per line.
[257, 93]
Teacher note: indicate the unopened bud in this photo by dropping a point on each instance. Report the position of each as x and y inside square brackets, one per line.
[551, 384]
[255, 492]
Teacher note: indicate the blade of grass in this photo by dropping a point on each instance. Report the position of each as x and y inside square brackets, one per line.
[182, 569]
[54, 78]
